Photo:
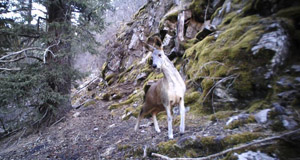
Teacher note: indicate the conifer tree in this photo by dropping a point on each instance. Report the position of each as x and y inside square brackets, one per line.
[36, 53]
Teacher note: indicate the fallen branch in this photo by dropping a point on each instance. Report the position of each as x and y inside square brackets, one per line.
[58, 121]
[10, 69]
[262, 141]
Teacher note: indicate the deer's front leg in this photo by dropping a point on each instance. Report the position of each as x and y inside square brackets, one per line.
[182, 116]
[169, 115]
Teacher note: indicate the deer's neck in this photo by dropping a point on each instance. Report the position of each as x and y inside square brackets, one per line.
[171, 75]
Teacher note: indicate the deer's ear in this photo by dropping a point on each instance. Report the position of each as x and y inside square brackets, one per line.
[158, 42]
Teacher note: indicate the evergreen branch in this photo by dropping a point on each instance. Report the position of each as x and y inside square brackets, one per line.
[262, 142]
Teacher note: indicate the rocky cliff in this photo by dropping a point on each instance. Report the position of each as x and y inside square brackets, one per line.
[239, 59]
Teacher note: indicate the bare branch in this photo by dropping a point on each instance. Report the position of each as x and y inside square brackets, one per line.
[219, 82]
[19, 52]
[261, 142]
[48, 50]
[10, 69]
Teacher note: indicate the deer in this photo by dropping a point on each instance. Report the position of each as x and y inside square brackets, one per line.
[165, 93]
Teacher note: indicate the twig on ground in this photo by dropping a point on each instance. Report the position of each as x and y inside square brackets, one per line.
[258, 143]
[58, 121]
[145, 151]
[24, 131]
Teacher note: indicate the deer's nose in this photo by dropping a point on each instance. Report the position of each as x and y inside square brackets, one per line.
[154, 66]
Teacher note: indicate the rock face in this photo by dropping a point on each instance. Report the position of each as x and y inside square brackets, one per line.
[234, 55]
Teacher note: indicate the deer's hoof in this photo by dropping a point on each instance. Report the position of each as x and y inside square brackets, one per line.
[171, 137]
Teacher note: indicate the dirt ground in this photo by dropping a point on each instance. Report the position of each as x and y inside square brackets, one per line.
[93, 132]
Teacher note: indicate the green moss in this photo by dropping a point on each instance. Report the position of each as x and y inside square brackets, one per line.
[114, 106]
[206, 85]
[245, 137]
[192, 97]
[191, 153]
[103, 68]
[216, 13]
[101, 84]
[140, 12]
[97, 98]
[110, 82]
[277, 126]
[189, 43]
[221, 115]
[292, 12]
[162, 116]
[123, 147]
[240, 122]
[109, 77]
[170, 148]
[243, 84]
[106, 97]
[197, 7]
[135, 97]
[117, 96]
[258, 105]
[208, 141]
[90, 102]
[170, 16]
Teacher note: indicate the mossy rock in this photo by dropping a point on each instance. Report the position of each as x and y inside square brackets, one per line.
[109, 77]
[191, 97]
[170, 148]
[258, 105]
[135, 97]
[114, 106]
[240, 122]
[221, 115]
[106, 96]
[227, 55]
[103, 69]
[117, 96]
[245, 137]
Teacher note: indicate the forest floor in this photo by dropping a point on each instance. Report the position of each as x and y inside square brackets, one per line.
[94, 132]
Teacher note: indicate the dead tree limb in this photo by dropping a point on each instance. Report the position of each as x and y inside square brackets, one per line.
[10, 69]
[262, 141]
[19, 52]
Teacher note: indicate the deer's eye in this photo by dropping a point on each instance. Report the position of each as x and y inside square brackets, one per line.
[159, 55]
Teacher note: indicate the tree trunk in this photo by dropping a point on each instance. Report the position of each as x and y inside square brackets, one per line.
[59, 13]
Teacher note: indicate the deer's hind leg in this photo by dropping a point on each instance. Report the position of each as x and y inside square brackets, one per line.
[155, 122]
[141, 115]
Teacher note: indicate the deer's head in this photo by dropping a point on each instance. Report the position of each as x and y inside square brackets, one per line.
[158, 57]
